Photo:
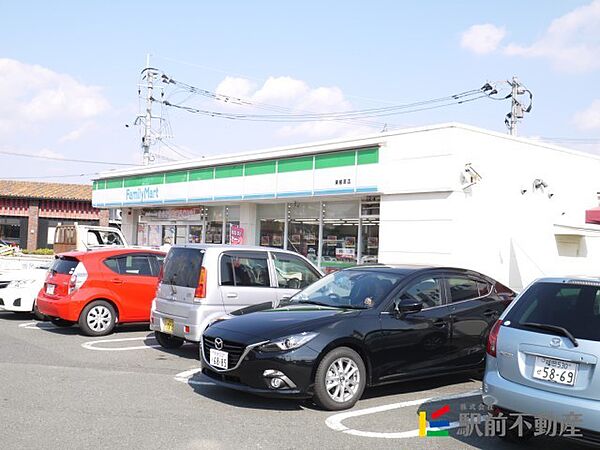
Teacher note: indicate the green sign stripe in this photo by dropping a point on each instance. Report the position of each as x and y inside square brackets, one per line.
[295, 164]
[202, 174]
[147, 180]
[229, 171]
[327, 160]
[114, 184]
[337, 159]
[368, 156]
[437, 433]
[260, 168]
[176, 177]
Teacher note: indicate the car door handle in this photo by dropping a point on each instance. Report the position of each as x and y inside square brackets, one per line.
[440, 323]
[117, 281]
[232, 295]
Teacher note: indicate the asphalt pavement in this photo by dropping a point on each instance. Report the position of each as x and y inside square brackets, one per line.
[60, 389]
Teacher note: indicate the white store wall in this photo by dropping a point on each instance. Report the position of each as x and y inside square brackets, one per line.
[490, 227]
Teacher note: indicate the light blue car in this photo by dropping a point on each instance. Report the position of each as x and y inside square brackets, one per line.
[543, 360]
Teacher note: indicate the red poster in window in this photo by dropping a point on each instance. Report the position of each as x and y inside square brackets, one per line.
[237, 235]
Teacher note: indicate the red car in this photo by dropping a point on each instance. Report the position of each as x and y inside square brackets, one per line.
[101, 288]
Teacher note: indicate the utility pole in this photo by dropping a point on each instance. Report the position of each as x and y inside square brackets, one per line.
[148, 74]
[516, 111]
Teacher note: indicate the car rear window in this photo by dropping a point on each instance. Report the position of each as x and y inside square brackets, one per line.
[575, 307]
[64, 266]
[182, 267]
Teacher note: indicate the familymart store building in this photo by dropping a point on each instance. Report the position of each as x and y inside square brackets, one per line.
[444, 194]
[324, 205]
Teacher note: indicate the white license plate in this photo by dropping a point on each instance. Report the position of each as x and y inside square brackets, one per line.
[218, 359]
[555, 370]
[50, 289]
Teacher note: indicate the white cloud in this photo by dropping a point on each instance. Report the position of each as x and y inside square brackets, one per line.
[299, 98]
[35, 95]
[571, 42]
[482, 39]
[77, 133]
[46, 152]
[589, 118]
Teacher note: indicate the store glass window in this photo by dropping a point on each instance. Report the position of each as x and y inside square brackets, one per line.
[303, 229]
[10, 231]
[340, 234]
[271, 219]
[214, 225]
[195, 234]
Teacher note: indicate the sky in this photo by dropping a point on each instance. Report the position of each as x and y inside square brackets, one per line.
[70, 72]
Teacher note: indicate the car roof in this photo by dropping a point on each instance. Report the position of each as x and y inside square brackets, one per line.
[407, 269]
[109, 251]
[569, 279]
[227, 247]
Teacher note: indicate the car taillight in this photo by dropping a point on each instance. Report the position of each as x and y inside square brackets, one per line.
[492, 342]
[201, 289]
[79, 277]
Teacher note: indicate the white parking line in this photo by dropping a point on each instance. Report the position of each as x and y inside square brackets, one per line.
[184, 377]
[335, 422]
[91, 345]
[38, 326]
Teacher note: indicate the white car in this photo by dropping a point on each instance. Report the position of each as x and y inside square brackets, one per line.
[19, 289]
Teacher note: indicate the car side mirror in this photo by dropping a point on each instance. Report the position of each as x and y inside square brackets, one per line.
[407, 306]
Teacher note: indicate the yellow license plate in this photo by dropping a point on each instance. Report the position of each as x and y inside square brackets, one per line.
[167, 326]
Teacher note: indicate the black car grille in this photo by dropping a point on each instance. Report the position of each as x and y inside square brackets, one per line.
[233, 349]
[221, 377]
[3, 284]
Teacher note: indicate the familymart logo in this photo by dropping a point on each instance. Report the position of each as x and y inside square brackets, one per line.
[425, 431]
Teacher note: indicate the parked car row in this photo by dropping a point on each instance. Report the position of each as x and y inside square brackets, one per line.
[268, 322]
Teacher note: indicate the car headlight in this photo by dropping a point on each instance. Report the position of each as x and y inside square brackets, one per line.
[20, 283]
[288, 343]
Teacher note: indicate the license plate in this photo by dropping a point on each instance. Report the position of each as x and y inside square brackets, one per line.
[218, 359]
[555, 370]
[50, 289]
[167, 326]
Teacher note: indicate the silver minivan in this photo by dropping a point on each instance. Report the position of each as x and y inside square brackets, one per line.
[543, 359]
[201, 282]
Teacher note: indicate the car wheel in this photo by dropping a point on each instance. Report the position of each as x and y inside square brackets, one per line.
[37, 314]
[61, 322]
[97, 319]
[340, 379]
[168, 341]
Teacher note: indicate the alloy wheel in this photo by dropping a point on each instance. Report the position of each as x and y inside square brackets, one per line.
[342, 380]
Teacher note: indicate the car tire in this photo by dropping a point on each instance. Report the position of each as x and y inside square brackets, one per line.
[62, 323]
[168, 341]
[98, 318]
[37, 314]
[344, 389]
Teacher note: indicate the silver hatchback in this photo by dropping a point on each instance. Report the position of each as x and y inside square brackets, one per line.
[543, 359]
[201, 282]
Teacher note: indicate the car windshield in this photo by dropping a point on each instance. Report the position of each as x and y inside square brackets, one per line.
[353, 288]
[546, 307]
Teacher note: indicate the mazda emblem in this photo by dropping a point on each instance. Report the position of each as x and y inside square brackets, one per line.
[219, 343]
[555, 342]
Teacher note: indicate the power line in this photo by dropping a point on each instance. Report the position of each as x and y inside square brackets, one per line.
[56, 158]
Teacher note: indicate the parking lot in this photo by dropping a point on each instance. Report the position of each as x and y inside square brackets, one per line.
[62, 389]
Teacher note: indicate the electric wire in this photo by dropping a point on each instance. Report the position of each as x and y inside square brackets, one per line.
[56, 158]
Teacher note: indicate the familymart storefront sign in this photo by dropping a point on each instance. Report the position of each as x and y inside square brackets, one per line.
[333, 173]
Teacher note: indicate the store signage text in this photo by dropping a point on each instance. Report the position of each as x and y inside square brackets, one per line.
[142, 194]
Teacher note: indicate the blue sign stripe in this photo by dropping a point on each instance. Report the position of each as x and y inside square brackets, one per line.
[295, 194]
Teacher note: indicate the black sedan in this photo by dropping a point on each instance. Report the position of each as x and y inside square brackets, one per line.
[359, 327]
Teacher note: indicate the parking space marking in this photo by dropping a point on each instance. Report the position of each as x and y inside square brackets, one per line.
[335, 422]
[185, 377]
[91, 345]
[38, 326]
